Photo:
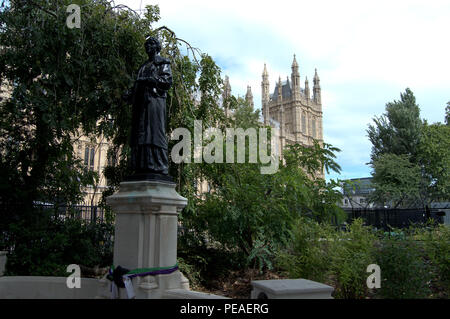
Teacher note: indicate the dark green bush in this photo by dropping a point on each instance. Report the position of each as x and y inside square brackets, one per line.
[436, 243]
[352, 251]
[404, 272]
[308, 255]
[321, 253]
[438, 250]
[191, 272]
[46, 245]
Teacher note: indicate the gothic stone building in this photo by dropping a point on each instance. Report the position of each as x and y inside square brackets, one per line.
[292, 109]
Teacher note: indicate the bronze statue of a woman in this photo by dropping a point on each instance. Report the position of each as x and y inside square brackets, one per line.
[149, 153]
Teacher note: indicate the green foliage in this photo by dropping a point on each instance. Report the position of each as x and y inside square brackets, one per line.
[308, 255]
[351, 253]
[191, 272]
[436, 243]
[404, 272]
[421, 150]
[48, 245]
[64, 82]
[205, 265]
[395, 137]
[434, 157]
[398, 130]
[396, 180]
[414, 262]
[253, 212]
[322, 253]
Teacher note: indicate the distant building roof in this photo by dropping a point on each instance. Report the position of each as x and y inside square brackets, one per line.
[358, 186]
[286, 90]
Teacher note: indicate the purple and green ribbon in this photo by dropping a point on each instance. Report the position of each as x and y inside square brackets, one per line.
[139, 272]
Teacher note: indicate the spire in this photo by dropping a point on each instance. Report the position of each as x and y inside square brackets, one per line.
[294, 63]
[226, 94]
[265, 74]
[307, 88]
[316, 78]
[249, 96]
[295, 77]
[226, 87]
[280, 88]
[265, 95]
[265, 85]
[316, 89]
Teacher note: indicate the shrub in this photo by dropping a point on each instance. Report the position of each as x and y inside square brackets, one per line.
[48, 245]
[436, 243]
[308, 255]
[438, 250]
[404, 273]
[191, 272]
[321, 253]
[351, 253]
[202, 265]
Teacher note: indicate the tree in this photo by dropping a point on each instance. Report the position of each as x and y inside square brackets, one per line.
[65, 82]
[410, 158]
[434, 158]
[253, 212]
[398, 130]
[70, 81]
[396, 180]
[61, 83]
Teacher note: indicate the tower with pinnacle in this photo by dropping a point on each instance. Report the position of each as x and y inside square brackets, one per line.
[226, 94]
[292, 109]
[249, 97]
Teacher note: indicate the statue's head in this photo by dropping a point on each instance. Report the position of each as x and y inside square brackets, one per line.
[152, 46]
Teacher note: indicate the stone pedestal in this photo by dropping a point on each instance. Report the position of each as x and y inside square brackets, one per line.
[290, 289]
[146, 225]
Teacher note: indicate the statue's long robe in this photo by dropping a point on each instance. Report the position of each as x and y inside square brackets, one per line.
[148, 133]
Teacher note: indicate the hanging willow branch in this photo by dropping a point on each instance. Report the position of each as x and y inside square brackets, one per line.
[194, 50]
[30, 2]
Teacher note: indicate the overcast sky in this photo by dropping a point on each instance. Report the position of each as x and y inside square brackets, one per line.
[366, 53]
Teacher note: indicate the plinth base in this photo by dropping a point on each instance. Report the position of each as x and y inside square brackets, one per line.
[146, 227]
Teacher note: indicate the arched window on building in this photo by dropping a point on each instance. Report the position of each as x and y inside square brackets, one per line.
[89, 156]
